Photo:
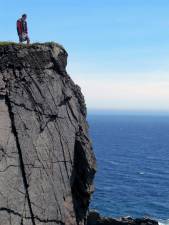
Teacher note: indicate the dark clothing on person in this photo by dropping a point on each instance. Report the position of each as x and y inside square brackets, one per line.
[22, 26]
[22, 30]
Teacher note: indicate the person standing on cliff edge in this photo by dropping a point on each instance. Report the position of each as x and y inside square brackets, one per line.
[22, 29]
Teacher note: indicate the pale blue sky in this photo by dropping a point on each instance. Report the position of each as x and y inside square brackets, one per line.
[118, 49]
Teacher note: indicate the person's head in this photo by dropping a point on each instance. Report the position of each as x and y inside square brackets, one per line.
[24, 16]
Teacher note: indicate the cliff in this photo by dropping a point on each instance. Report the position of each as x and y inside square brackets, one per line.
[46, 160]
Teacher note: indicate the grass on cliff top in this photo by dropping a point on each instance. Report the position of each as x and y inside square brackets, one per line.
[5, 43]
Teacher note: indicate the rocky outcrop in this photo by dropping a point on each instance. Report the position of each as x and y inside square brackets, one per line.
[46, 160]
[95, 218]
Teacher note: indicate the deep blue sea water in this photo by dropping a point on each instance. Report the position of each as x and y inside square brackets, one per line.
[133, 165]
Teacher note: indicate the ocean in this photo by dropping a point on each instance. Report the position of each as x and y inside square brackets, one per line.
[132, 176]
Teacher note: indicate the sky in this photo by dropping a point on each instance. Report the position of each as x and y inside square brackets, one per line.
[118, 49]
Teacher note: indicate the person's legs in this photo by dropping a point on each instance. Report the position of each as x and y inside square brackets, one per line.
[27, 40]
[20, 39]
[23, 38]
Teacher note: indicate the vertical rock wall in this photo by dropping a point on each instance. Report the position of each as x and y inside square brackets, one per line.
[47, 163]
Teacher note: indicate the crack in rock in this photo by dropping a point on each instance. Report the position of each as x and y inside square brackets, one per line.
[22, 167]
[47, 164]
[11, 211]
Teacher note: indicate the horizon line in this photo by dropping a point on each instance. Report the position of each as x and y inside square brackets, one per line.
[126, 111]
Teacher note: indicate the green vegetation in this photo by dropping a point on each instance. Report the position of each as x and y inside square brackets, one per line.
[3, 43]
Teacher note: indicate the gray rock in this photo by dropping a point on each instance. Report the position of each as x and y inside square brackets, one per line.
[94, 218]
[47, 163]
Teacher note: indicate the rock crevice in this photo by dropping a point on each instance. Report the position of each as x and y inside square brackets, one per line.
[21, 161]
[46, 159]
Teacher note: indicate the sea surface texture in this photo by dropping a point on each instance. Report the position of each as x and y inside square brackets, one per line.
[133, 165]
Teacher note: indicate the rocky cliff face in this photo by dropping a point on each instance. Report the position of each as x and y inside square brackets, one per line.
[46, 160]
